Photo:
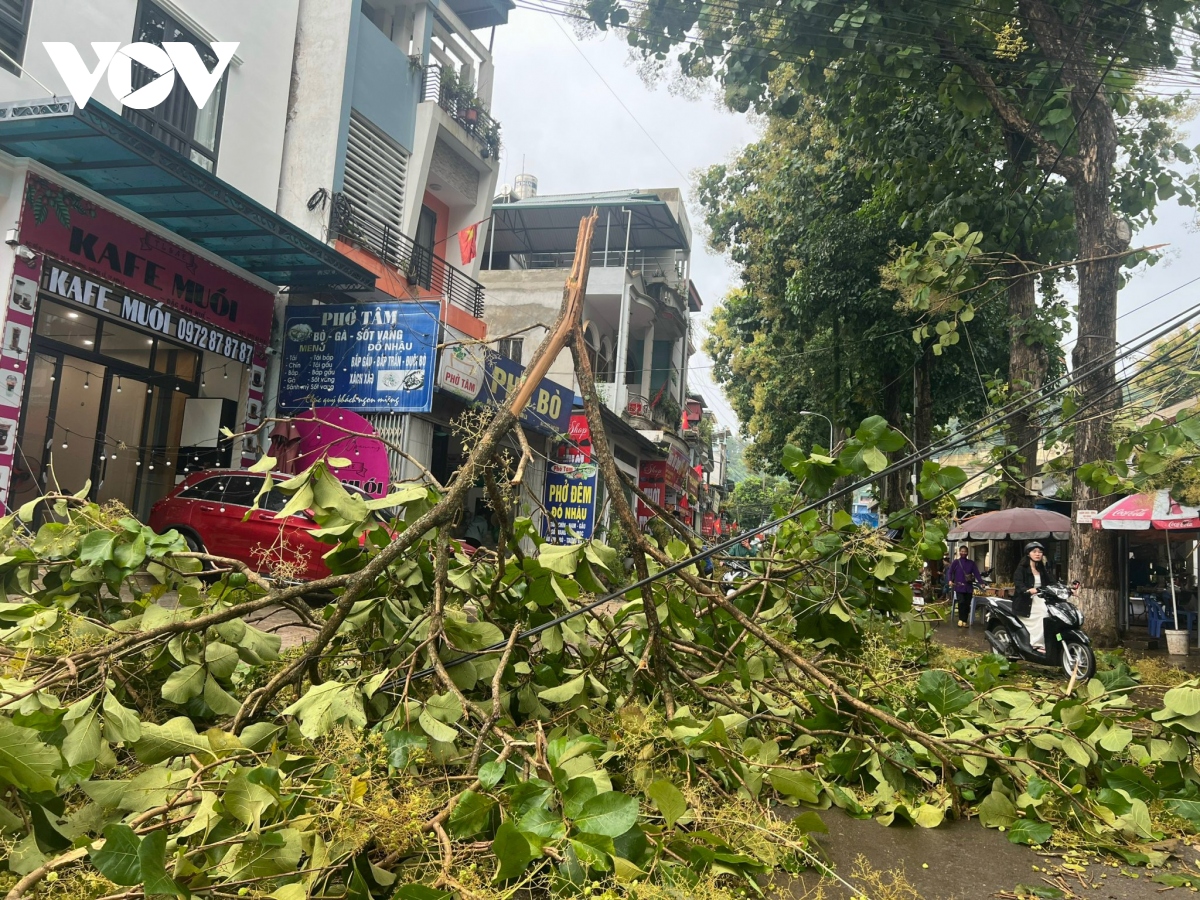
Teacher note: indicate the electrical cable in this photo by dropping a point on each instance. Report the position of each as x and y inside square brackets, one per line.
[904, 464]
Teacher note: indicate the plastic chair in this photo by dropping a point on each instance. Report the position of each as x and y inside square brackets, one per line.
[971, 616]
[1156, 618]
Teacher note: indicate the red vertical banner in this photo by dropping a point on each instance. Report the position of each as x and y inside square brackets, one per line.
[18, 317]
[652, 480]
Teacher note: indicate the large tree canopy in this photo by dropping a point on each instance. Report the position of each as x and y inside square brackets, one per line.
[1052, 80]
[813, 327]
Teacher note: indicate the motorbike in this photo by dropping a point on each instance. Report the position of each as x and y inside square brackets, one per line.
[735, 571]
[1067, 645]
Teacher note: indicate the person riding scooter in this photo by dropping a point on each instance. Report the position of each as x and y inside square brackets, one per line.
[1029, 604]
[1040, 624]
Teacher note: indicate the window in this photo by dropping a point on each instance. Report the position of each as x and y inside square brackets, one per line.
[14, 24]
[373, 182]
[242, 490]
[423, 251]
[513, 348]
[208, 489]
[191, 132]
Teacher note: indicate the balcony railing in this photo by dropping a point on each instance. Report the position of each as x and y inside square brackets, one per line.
[421, 267]
[654, 266]
[441, 86]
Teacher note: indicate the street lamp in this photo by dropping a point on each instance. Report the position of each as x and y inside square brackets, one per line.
[805, 412]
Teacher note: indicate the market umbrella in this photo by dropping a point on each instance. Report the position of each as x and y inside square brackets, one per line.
[1018, 524]
[1141, 512]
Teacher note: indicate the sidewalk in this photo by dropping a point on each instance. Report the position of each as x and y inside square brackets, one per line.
[1134, 644]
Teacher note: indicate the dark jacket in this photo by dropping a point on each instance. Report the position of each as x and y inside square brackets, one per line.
[1023, 581]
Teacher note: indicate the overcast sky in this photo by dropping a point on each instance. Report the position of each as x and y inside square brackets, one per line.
[573, 134]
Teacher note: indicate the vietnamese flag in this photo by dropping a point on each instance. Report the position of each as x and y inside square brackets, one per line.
[467, 242]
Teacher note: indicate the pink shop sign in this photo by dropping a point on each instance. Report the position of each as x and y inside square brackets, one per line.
[90, 237]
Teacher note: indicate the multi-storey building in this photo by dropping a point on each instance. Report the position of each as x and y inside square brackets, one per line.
[637, 316]
[155, 247]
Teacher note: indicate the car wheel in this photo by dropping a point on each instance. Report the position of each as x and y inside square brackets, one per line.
[1078, 660]
[195, 545]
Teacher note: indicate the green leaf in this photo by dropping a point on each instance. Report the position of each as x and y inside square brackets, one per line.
[997, 811]
[96, 548]
[610, 814]
[564, 692]
[118, 860]
[941, 691]
[470, 815]
[25, 762]
[929, 815]
[246, 801]
[435, 729]
[512, 850]
[874, 459]
[791, 783]
[177, 737]
[445, 707]
[1116, 740]
[669, 800]
[420, 892]
[82, 743]
[1183, 701]
[152, 857]
[264, 465]
[490, 773]
[562, 559]
[1029, 831]
[183, 685]
[218, 699]
[121, 725]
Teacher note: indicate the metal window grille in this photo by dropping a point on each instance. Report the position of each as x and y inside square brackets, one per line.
[375, 174]
[513, 348]
[189, 131]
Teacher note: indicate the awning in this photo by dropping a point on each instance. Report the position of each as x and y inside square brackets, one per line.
[100, 150]
[550, 224]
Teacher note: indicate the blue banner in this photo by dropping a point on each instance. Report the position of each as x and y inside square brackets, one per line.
[482, 375]
[571, 487]
[364, 357]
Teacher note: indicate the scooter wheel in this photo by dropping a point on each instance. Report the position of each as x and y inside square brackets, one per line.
[1078, 660]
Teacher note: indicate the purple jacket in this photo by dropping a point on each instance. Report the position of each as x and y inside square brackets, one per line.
[963, 575]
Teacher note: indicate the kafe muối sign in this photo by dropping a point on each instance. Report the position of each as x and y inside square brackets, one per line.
[77, 231]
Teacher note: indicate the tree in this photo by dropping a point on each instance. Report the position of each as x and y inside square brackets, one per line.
[1052, 76]
[1171, 371]
[813, 326]
[754, 499]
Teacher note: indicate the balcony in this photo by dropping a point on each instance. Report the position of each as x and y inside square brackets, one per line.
[423, 269]
[441, 85]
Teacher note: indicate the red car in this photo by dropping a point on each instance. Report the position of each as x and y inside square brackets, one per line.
[207, 508]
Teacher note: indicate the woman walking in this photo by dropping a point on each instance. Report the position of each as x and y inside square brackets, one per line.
[1028, 603]
[962, 576]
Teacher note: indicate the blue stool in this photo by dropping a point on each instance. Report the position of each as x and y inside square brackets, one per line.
[1156, 618]
[971, 616]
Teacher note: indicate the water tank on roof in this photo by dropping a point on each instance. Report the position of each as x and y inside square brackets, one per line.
[525, 186]
[504, 195]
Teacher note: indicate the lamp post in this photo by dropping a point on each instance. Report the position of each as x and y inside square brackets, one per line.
[805, 412]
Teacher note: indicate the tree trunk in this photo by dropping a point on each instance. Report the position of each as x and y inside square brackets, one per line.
[1089, 172]
[1093, 560]
[893, 494]
[923, 401]
[1026, 373]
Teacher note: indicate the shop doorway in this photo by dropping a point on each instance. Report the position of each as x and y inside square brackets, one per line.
[104, 404]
